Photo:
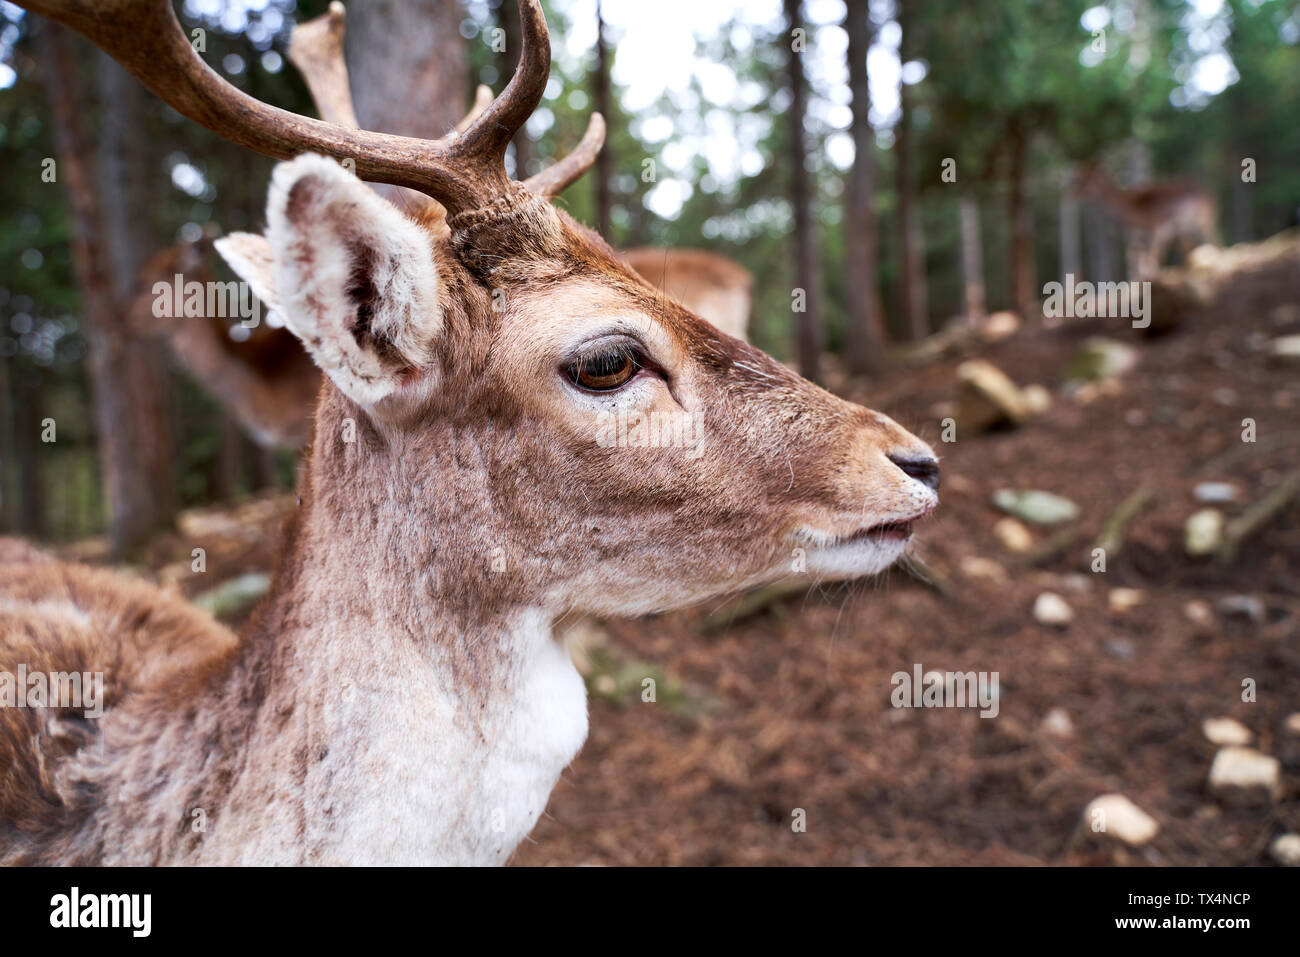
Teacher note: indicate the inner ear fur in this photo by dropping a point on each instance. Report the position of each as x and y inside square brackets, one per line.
[353, 278]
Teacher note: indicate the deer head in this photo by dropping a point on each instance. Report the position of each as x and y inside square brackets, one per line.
[504, 393]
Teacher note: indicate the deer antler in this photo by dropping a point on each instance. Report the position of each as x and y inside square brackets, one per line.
[464, 173]
[316, 49]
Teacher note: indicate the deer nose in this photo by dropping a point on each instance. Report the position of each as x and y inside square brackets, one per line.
[924, 469]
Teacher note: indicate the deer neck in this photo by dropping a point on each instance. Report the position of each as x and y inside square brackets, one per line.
[381, 719]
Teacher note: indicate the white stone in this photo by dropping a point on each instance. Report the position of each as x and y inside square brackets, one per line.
[1037, 399]
[1286, 349]
[1050, 609]
[1199, 613]
[1116, 816]
[1245, 776]
[1216, 493]
[1285, 849]
[1057, 723]
[1013, 535]
[972, 566]
[1120, 600]
[1203, 532]
[1226, 731]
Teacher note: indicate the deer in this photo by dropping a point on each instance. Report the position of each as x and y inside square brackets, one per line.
[1154, 216]
[399, 696]
[266, 381]
[708, 283]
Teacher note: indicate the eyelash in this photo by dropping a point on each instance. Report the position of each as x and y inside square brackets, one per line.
[614, 366]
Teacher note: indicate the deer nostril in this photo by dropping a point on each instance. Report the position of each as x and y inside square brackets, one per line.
[925, 471]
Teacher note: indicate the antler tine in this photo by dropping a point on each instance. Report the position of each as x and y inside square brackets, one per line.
[482, 100]
[316, 49]
[483, 144]
[556, 178]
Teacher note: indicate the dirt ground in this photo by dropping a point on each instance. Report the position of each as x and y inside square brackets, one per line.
[787, 710]
[791, 707]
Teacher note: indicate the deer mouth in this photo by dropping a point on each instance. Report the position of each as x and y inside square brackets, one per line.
[884, 532]
[895, 530]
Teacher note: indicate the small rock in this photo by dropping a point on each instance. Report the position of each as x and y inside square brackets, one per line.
[1225, 731]
[1085, 393]
[1037, 399]
[1121, 648]
[1120, 600]
[1199, 613]
[1285, 849]
[1285, 314]
[1203, 532]
[1013, 536]
[1243, 606]
[1033, 505]
[1245, 776]
[1116, 816]
[1285, 350]
[1050, 609]
[1292, 724]
[1216, 493]
[999, 326]
[988, 398]
[1057, 723]
[1077, 582]
[972, 566]
[1101, 358]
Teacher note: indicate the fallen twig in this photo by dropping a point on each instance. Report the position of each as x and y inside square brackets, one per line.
[1253, 520]
[1111, 539]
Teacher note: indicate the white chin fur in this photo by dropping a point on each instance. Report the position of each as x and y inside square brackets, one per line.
[855, 558]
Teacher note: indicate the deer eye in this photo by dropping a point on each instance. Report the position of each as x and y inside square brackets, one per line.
[605, 369]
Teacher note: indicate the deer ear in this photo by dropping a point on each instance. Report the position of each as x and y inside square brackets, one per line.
[249, 257]
[352, 277]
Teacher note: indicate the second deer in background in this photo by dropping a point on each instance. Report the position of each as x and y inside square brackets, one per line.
[1154, 216]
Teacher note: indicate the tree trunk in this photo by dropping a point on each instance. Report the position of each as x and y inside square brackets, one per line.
[128, 175]
[10, 506]
[1022, 244]
[600, 91]
[972, 259]
[1071, 254]
[509, 59]
[912, 292]
[407, 62]
[809, 335]
[124, 414]
[1101, 252]
[865, 334]
[28, 449]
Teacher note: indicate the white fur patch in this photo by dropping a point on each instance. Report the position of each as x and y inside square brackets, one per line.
[322, 222]
[249, 256]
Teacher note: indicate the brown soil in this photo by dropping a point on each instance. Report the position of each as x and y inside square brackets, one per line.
[790, 709]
